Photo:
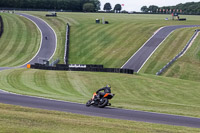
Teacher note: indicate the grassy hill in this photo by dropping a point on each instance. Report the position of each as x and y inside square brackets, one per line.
[188, 66]
[111, 45]
[139, 92]
[18, 43]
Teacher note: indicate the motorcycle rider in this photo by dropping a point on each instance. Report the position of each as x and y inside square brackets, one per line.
[106, 89]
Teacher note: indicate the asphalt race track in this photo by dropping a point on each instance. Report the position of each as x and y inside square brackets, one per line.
[102, 112]
[137, 61]
[46, 52]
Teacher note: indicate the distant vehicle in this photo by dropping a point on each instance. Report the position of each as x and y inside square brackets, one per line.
[102, 101]
[53, 14]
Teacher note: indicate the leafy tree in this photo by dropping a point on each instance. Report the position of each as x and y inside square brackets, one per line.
[88, 7]
[97, 4]
[153, 8]
[144, 9]
[118, 7]
[107, 7]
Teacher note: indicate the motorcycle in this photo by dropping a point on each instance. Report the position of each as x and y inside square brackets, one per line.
[100, 102]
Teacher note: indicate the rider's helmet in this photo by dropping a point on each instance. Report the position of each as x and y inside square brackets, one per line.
[108, 85]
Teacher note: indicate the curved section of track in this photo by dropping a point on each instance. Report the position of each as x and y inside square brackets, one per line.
[137, 61]
[47, 45]
[48, 42]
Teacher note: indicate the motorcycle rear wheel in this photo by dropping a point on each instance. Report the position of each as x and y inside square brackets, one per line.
[103, 103]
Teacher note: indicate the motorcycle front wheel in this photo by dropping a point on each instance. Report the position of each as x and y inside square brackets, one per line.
[88, 103]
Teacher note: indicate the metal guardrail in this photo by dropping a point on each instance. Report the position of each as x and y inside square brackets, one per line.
[66, 56]
[179, 55]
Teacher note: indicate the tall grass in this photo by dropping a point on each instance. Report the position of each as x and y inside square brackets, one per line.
[18, 43]
[140, 92]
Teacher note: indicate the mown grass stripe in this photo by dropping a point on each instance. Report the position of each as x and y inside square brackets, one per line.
[6, 32]
[94, 44]
[65, 85]
[28, 50]
[17, 44]
[14, 79]
[17, 41]
[41, 82]
[11, 37]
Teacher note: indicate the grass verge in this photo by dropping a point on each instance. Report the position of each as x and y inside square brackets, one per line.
[188, 66]
[25, 120]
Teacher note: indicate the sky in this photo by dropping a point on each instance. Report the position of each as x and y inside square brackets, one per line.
[135, 5]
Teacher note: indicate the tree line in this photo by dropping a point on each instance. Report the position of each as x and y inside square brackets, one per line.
[66, 5]
[69, 5]
[191, 8]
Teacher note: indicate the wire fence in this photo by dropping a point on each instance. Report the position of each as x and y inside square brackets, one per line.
[179, 55]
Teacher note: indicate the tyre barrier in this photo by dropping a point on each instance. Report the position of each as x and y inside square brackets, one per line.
[1, 26]
[90, 68]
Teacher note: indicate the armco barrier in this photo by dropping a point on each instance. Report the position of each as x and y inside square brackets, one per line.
[177, 56]
[66, 56]
[91, 69]
[1, 26]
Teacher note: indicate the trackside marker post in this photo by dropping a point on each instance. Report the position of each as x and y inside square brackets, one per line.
[28, 65]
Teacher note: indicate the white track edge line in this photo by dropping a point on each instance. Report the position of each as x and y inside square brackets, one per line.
[155, 50]
[143, 45]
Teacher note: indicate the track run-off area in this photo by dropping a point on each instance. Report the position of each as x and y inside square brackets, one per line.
[47, 50]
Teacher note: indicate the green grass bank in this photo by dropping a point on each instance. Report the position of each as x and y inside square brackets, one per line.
[138, 92]
[111, 45]
[18, 43]
[25, 120]
[186, 67]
